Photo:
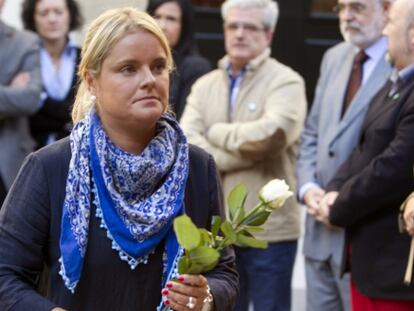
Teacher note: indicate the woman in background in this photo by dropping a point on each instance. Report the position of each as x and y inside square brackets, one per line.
[176, 20]
[97, 208]
[52, 20]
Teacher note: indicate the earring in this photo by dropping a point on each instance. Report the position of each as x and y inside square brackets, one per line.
[93, 100]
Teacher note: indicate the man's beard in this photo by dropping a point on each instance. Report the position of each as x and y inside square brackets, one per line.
[362, 35]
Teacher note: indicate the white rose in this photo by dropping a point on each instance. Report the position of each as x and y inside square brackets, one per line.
[275, 193]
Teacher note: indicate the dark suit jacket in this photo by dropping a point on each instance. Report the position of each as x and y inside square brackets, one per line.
[372, 184]
[29, 237]
[54, 116]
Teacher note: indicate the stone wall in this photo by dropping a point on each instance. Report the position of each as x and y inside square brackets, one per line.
[90, 10]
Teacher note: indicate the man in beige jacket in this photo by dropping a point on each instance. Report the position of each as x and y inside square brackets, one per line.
[249, 114]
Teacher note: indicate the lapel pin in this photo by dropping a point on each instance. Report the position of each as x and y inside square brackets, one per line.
[396, 96]
[252, 107]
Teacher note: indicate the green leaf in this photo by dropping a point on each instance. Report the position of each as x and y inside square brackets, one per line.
[206, 237]
[183, 265]
[195, 269]
[228, 243]
[203, 259]
[253, 229]
[228, 231]
[243, 240]
[257, 219]
[236, 199]
[215, 225]
[246, 233]
[239, 215]
[187, 233]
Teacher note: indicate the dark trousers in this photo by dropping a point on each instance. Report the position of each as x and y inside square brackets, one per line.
[265, 276]
[3, 192]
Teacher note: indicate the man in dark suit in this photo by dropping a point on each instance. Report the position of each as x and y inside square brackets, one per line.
[352, 72]
[366, 193]
[20, 87]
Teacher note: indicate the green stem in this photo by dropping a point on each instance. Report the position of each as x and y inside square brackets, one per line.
[221, 244]
[251, 213]
[239, 226]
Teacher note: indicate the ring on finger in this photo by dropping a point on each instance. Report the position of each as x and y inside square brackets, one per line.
[191, 303]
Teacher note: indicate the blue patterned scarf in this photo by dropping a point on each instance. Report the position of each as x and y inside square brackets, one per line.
[136, 196]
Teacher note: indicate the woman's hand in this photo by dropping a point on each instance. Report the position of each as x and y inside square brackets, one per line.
[186, 294]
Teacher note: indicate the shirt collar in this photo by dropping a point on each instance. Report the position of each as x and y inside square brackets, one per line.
[405, 73]
[5, 30]
[377, 50]
[2, 27]
[69, 47]
[230, 72]
[70, 44]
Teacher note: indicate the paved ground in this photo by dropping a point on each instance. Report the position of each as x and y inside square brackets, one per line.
[298, 280]
[298, 300]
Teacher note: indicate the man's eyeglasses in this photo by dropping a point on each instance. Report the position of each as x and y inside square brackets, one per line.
[353, 7]
[247, 27]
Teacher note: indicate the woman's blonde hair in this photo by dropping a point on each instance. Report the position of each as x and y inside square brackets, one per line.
[103, 33]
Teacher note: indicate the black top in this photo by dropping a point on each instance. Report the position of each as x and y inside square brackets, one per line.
[188, 69]
[30, 223]
[54, 116]
[372, 184]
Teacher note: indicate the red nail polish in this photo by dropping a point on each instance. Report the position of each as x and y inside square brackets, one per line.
[165, 292]
[169, 285]
[167, 302]
[181, 278]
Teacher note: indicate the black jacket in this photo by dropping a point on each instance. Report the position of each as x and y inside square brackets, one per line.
[54, 116]
[189, 69]
[372, 184]
[30, 222]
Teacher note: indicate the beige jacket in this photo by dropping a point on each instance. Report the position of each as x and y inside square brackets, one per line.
[259, 140]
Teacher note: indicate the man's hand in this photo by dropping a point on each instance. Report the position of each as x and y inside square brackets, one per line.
[21, 80]
[409, 216]
[312, 199]
[324, 208]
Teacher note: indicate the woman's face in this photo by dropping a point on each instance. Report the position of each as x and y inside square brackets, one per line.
[52, 19]
[168, 16]
[132, 87]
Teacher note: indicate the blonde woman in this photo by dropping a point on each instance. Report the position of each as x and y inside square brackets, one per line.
[96, 208]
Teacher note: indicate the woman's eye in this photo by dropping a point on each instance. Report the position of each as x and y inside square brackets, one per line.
[159, 68]
[172, 19]
[43, 13]
[127, 69]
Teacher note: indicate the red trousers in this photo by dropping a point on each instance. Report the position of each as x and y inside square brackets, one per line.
[364, 303]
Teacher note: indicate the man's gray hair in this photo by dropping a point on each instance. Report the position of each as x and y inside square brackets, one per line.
[269, 8]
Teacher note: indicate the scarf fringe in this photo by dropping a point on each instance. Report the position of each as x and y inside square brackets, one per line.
[69, 285]
[172, 275]
[132, 262]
